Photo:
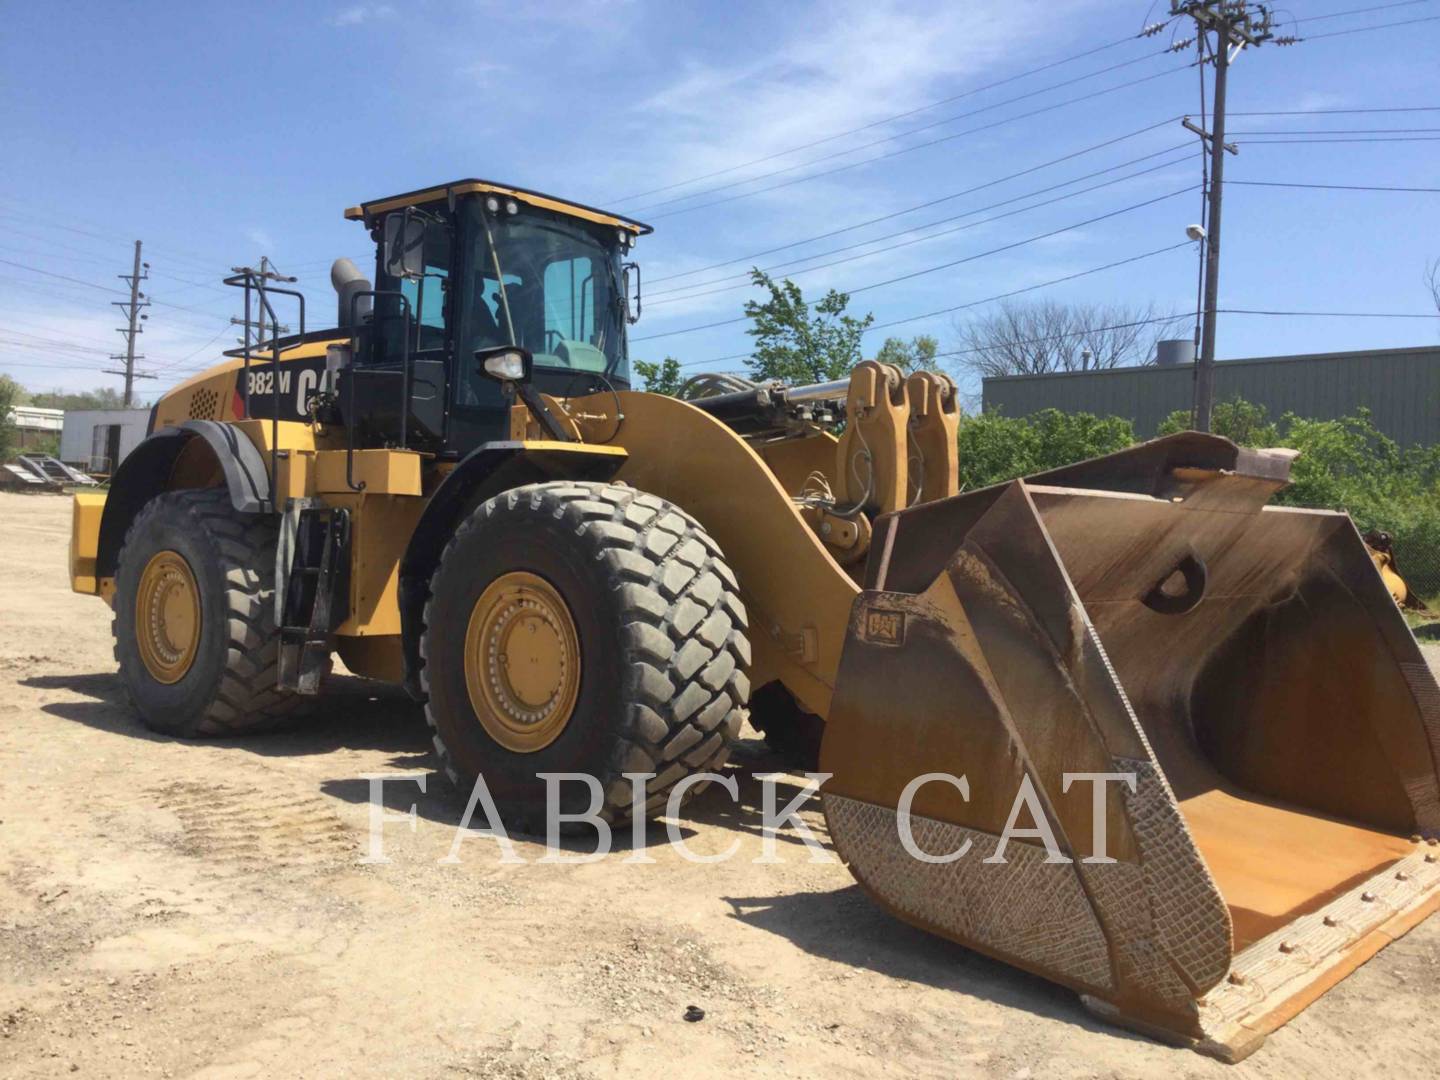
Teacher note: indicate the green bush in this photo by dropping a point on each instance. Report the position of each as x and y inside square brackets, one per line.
[1348, 464]
[994, 448]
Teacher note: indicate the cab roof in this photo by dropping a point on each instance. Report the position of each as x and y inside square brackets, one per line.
[367, 211]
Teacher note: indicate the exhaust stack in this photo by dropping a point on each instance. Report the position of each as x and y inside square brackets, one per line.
[348, 280]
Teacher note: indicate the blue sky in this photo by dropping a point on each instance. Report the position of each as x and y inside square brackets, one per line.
[216, 133]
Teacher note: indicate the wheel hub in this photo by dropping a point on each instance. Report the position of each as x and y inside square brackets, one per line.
[167, 617]
[522, 662]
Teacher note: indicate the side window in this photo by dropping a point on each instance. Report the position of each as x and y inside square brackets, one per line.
[427, 297]
[569, 302]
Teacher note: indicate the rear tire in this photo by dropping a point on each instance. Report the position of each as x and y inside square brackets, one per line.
[222, 681]
[663, 657]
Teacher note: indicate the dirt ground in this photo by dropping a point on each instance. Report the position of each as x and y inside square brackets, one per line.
[200, 909]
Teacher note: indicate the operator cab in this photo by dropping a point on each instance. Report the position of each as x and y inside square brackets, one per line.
[473, 266]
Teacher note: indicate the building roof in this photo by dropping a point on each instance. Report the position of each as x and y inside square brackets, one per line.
[34, 418]
[368, 210]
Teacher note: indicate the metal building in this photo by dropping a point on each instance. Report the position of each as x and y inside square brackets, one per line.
[97, 440]
[1400, 387]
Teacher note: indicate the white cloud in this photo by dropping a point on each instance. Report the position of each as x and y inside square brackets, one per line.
[851, 64]
[361, 13]
[261, 239]
[481, 73]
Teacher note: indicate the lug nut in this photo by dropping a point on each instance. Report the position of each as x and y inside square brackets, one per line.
[1330, 920]
[1368, 897]
[1287, 947]
[1236, 979]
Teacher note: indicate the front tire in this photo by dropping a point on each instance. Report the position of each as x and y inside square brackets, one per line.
[582, 628]
[194, 618]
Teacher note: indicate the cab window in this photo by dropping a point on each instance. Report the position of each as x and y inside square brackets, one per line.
[427, 295]
[570, 306]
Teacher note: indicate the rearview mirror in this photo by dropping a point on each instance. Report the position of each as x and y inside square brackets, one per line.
[404, 245]
[632, 315]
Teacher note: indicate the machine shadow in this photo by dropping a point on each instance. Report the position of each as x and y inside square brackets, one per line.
[845, 926]
[353, 714]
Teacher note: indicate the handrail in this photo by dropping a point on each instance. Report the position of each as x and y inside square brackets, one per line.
[248, 278]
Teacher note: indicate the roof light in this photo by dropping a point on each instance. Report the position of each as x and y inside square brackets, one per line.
[492, 204]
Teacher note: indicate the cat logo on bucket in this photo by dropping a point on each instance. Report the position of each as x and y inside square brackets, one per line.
[884, 627]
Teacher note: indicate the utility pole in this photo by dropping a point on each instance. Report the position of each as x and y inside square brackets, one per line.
[133, 329]
[258, 324]
[1236, 24]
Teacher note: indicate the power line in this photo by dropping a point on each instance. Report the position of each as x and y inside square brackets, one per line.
[945, 265]
[1332, 187]
[1339, 112]
[903, 134]
[1252, 141]
[1361, 29]
[1012, 176]
[193, 353]
[31, 341]
[11, 323]
[689, 294]
[48, 365]
[1340, 131]
[937, 201]
[1358, 11]
[986, 300]
[102, 288]
[109, 237]
[1029, 288]
[917, 146]
[1336, 314]
[1118, 326]
[886, 120]
[48, 290]
[62, 277]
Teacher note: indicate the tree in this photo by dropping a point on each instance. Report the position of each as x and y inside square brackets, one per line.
[104, 398]
[11, 394]
[1039, 337]
[662, 378]
[796, 343]
[1240, 421]
[995, 448]
[917, 354]
[1432, 282]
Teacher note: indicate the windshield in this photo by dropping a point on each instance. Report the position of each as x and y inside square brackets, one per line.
[559, 291]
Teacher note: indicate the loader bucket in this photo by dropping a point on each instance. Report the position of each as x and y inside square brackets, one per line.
[1143, 614]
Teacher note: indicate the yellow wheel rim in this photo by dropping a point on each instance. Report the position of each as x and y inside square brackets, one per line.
[167, 617]
[522, 662]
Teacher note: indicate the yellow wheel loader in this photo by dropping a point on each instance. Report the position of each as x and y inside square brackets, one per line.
[1121, 724]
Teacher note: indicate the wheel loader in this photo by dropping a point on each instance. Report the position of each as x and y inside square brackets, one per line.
[456, 490]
